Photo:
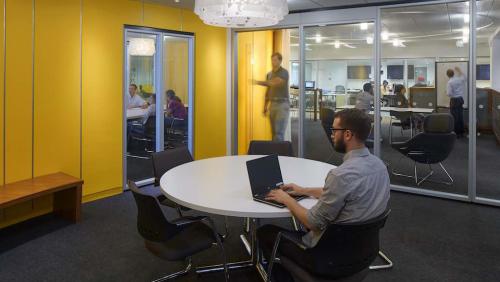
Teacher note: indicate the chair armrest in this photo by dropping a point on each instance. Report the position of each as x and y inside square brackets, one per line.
[283, 235]
[186, 220]
[294, 238]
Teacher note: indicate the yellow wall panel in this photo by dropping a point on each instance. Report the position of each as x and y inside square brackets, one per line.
[103, 26]
[57, 87]
[161, 16]
[210, 87]
[19, 82]
[1, 90]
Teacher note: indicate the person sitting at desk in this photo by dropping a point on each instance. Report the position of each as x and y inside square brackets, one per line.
[355, 191]
[402, 102]
[400, 91]
[364, 100]
[384, 88]
[176, 112]
[133, 100]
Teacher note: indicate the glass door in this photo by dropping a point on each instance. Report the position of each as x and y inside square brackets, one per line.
[140, 103]
[158, 100]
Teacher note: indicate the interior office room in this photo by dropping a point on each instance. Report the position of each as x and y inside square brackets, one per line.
[169, 140]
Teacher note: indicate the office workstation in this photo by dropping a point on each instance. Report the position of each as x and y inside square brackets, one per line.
[269, 140]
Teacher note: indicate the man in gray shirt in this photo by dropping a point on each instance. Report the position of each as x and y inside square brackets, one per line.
[277, 97]
[355, 191]
[456, 90]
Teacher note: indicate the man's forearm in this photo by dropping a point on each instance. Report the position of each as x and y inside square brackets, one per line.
[312, 192]
[299, 212]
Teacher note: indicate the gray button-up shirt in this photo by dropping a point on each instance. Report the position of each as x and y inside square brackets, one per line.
[355, 191]
[456, 86]
[364, 101]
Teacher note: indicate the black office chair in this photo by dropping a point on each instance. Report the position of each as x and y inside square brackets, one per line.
[344, 252]
[432, 146]
[145, 133]
[401, 119]
[282, 148]
[175, 240]
[327, 116]
[165, 161]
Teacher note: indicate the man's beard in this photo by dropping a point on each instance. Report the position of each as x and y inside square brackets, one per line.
[339, 146]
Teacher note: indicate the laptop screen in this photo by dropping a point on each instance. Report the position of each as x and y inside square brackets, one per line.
[264, 174]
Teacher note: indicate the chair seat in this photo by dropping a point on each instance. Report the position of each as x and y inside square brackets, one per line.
[194, 238]
[299, 274]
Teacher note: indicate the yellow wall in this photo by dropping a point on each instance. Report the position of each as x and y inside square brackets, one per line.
[50, 104]
[254, 62]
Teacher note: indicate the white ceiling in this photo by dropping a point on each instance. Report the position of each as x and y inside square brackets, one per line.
[293, 5]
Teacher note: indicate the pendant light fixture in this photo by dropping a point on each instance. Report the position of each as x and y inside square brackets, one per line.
[241, 13]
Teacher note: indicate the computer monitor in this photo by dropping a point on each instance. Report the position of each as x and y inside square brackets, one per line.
[310, 84]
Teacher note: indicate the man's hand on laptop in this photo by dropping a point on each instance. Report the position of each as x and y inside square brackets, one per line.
[293, 189]
[280, 196]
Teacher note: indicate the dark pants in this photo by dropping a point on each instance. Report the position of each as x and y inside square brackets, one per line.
[267, 236]
[457, 111]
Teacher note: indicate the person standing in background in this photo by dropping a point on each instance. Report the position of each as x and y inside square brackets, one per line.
[277, 101]
[456, 91]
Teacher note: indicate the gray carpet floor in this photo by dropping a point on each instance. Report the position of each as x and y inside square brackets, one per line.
[428, 239]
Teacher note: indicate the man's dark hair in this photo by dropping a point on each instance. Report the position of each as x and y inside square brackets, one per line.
[450, 73]
[367, 87]
[134, 85]
[357, 121]
[398, 88]
[277, 55]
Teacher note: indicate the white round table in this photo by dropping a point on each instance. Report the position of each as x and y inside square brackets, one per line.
[221, 186]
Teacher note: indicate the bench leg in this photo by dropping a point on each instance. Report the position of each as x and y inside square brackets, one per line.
[68, 203]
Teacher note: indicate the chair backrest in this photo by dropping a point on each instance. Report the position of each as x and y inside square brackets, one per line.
[400, 115]
[168, 159]
[339, 88]
[282, 148]
[349, 247]
[437, 140]
[151, 222]
[439, 123]
[150, 127]
[327, 116]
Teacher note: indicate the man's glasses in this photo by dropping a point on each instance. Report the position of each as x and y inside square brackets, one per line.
[333, 129]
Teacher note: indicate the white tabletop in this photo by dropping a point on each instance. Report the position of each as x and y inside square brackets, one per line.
[135, 113]
[388, 109]
[221, 185]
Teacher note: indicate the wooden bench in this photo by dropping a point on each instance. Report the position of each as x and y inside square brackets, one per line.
[67, 191]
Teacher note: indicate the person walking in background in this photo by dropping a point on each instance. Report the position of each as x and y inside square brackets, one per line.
[277, 101]
[456, 92]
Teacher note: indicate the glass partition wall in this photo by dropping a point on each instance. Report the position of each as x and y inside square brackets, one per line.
[158, 98]
[341, 60]
[418, 50]
[416, 88]
[487, 99]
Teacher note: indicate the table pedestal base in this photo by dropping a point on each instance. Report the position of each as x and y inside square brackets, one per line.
[253, 250]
